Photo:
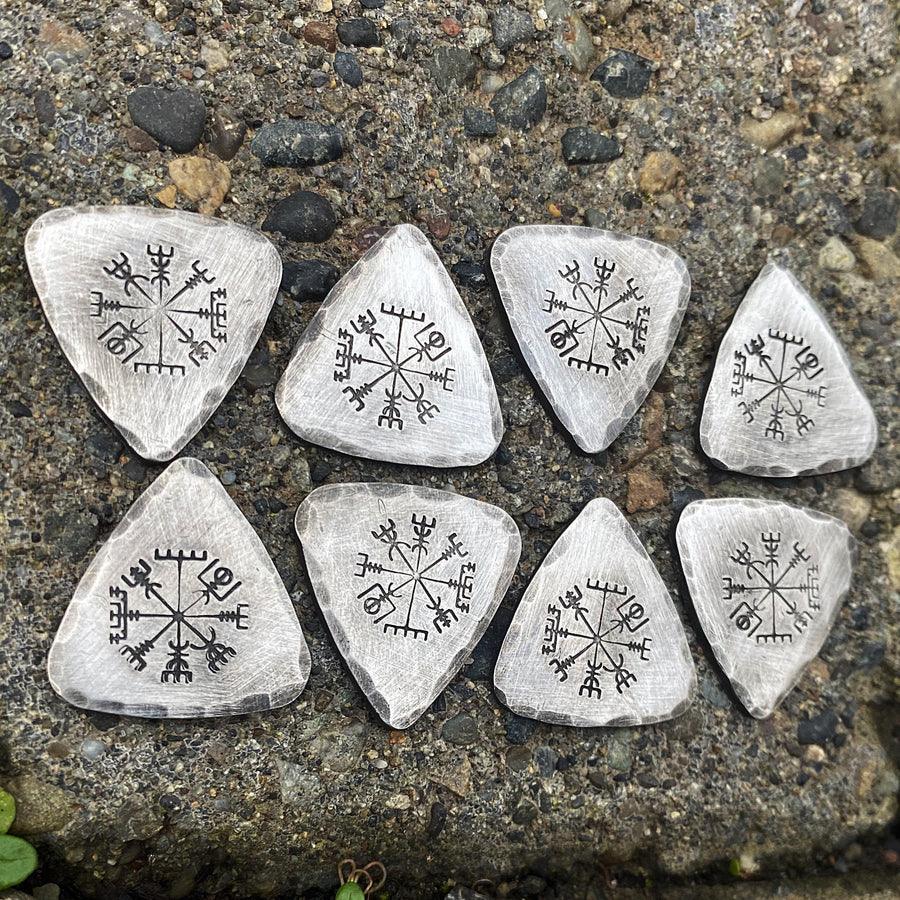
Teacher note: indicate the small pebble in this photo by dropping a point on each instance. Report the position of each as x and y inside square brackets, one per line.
[348, 69]
[297, 144]
[228, 477]
[581, 146]
[93, 750]
[359, 32]
[879, 214]
[308, 279]
[452, 68]
[478, 122]
[5, 50]
[836, 256]
[174, 118]
[511, 26]
[624, 75]
[521, 104]
[818, 729]
[302, 216]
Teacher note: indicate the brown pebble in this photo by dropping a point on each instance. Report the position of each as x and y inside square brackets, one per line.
[450, 27]
[659, 173]
[321, 34]
[771, 132]
[645, 490]
[782, 234]
[203, 181]
[138, 139]
[439, 226]
[367, 238]
[58, 750]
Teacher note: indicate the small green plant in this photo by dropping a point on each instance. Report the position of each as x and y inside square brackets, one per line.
[351, 876]
[18, 859]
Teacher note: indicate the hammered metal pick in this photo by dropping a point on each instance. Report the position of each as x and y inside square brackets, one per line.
[390, 366]
[596, 639]
[783, 399]
[408, 579]
[595, 314]
[181, 613]
[156, 310]
[767, 580]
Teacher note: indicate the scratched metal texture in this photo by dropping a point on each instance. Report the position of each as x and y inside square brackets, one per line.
[402, 671]
[599, 546]
[526, 261]
[843, 432]
[459, 423]
[157, 412]
[184, 509]
[710, 532]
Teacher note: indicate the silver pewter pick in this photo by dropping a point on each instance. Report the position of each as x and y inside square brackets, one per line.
[783, 400]
[181, 614]
[408, 579]
[596, 639]
[595, 314]
[156, 310]
[767, 580]
[390, 366]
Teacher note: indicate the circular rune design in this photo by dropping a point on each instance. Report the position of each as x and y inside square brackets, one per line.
[400, 356]
[602, 647]
[601, 319]
[155, 323]
[419, 584]
[173, 607]
[775, 375]
[773, 591]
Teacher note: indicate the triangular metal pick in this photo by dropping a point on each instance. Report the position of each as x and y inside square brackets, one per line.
[391, 368]
[408, 579]
[596, 639]
[596, 314]
[783, 400]
[767, 580]
[156, 310]
[181, 613]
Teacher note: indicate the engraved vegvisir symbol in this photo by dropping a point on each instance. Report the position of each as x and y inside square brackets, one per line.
[166, 604]
[422, 583]
[599, 326]
[778, 593]
[596, 644]
[778, 374]
[158, 323]
[373, 353]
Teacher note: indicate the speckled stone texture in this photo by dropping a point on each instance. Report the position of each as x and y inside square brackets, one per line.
[270, 803]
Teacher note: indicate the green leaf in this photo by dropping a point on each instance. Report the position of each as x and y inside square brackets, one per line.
[350, 891]
[7, 811]
[18, 859]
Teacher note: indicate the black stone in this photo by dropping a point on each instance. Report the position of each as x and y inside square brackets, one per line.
[680, 499]
[581, 146]
[260, 376]
[228, 133]
[359, 33]
[469, 275]
[103, 445]
[18, 410]
[461, 730]
[319, 79]
[297, 144]
[308, 279]
[437, 819]
[518, 730]
[836, 220]
[818, 729]
[348, 69]
[451, 68]
[631, 201]
[44, 107]
[5, 50]
[522, 103]
[511, 26]
[478, 122]
[174, 118]
[135, 469]
[879, 215]
[625, 75]
[302, 216]
[320, 471]
[9, 199]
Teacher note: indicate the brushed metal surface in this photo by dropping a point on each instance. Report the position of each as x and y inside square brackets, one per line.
[156, 310]
[767, 580]
[181, 613]
[390, 366]
[595, 314]
[408, 579]
[596, 639]
[783, 399]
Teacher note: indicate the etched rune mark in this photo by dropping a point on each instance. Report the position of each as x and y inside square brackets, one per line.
[597, 328]
[603, 646]
[777, 592]
[165, 605]
[166, 318]
[395, 354]
[775, 376]
[418, 584]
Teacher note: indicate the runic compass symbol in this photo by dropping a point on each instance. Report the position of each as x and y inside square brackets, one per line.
[596, 645]
[156, 323]
[403, 370]
[597, 326]
[422, 584]
[778, 593]
[776, 375]
[166, 603]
